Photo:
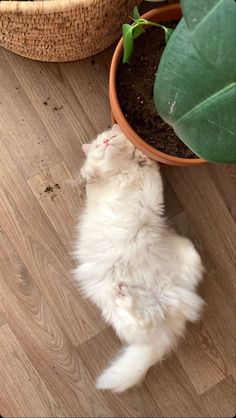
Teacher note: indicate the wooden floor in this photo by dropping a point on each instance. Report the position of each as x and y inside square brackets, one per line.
[52, 343]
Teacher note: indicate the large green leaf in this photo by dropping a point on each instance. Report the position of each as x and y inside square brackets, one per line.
[195, 89]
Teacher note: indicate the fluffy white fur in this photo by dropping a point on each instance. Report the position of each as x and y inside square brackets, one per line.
[141, 274]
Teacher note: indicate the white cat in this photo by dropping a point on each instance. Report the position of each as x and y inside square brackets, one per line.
[142, 275]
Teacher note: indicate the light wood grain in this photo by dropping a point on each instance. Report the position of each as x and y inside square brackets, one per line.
[2, 321]
[43, 253]
[57, 105]
[173, 206]
[173, 390]
[48, 348]
[220, 400]
[96, 354]
[21, 130]
[89, 83]
[208, 213]
[225, 180]
[203, 348]
[48, 333]
[59, 196]
[20, 381]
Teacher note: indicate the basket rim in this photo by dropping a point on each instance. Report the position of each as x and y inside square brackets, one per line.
[42, 6]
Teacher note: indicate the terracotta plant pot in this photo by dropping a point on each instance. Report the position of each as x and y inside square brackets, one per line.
[162, 14]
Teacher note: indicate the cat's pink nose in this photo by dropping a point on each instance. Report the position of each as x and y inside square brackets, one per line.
[106, 142]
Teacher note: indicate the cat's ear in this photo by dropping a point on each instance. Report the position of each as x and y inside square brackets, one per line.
[85, 148]
[116, 129]
[141, 158]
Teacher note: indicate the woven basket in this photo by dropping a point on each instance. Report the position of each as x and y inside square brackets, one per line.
[61, 30]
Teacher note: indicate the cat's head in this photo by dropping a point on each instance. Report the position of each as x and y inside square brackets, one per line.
[110, 154]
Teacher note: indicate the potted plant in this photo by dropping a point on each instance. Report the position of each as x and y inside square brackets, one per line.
[194, 88]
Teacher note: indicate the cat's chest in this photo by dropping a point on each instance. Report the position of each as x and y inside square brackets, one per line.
[119, 189]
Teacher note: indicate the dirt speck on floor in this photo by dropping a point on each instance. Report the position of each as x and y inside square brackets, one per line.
[48, 189]
[45, 102]
[51, 190]
[58, 107]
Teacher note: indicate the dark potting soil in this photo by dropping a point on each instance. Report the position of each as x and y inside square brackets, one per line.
[135, 82]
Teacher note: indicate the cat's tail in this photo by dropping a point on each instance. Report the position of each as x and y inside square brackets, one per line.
[134, 361]
[132, 364]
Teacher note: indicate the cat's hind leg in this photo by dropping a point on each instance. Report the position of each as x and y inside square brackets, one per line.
[187, 264]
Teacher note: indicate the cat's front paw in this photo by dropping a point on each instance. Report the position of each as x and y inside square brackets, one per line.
[122, 295]
[122, 289]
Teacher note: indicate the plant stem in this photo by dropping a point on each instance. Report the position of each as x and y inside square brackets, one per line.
[144, 22]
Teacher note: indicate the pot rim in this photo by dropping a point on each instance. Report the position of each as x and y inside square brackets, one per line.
[118, 113]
